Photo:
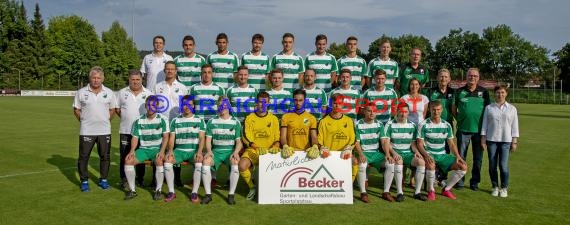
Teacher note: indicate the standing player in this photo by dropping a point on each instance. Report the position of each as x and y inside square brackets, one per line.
[384, 62]
[222, 145]
[186, 142]
[315, 95]
[260, 133]
[368, 133]
[242, 95]
[381, 97]
[323, 63]
[349, 94]
[412, 70]
[93, 107]
[290, 63]
[257, 63]
[299, 128]
[399, 143]
[190, 63]
[153, 63]
[205, 94]
[170, 89]
[470, 103]
[224, 63]
[151, 129]
[354, 63]
[130, 105]
[432, 135]
[280, 97]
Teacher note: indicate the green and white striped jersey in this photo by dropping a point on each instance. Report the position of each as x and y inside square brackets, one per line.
[390, 67]
[401, 135]
[291, 65]
[368, 134]
[187, 132]
[435, 135]
[205, 99]
[357, 67]
[224, 67]
[383, 101]
[323, 65]
[280, 102]
[189, 69]
[258, 67]
[242, 101]
[149, 131]
[351, 95]
[318, 98]
[224, 133]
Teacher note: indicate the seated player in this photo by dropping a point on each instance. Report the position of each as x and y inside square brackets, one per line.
[151, 129]
[187, 134]
[432, 135]
[223, 144]
[298, 128]
[399, 144]
[260, 133]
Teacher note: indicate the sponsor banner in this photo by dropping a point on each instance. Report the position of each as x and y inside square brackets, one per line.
[47, 93]
[300, 180]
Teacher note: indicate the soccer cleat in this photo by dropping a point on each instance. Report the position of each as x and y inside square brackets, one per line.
[388, 197]
[251, 194]
[157, 195]
[503, 193]
[364, 198]
[400, 197]
[495, 192]
[448, 194]
[194, 198]
[104, 184]
[169, 197]
[84, 186]
[431, 196]
[130, 195]
[207, 199]
[231, 200]
[420, 197]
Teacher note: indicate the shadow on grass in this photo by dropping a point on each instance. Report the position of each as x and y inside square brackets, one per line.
[64, 165]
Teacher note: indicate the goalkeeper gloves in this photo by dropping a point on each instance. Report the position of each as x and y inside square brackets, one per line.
[324, 152]
[274, 149]
[347, 152]
[287, 151]
[262, 151]
[313, 152]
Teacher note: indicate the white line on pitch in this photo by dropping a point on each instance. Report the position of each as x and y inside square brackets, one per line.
[37, 172]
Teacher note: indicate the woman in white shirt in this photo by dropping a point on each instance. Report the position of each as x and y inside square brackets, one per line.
[417, 102]
[499, 135]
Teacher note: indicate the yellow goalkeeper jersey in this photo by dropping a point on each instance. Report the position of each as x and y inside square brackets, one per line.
[335, 134]
[298, 129]
[261, 130]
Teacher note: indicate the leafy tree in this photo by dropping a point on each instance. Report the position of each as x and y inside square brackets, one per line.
[563, 64]
[14, 29]
[338, 50]
[120, 55]
[458, 51]
[401, 47]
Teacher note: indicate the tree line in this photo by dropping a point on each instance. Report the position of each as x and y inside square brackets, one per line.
[60, 55]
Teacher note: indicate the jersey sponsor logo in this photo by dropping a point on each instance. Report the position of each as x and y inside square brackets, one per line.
[299, 131]
[261, 134]
[340, 136]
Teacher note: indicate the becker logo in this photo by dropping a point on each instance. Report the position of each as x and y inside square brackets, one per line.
[303, 179]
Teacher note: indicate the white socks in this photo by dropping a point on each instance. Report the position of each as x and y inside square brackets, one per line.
[430, 179]
[234, 177]
[169, 175]
[130, 174]
[159, 177]
[362, 176]
[420, 174]
[207, 178]
[197, 177]
[398, 170]
[388, 176]
[456, 175]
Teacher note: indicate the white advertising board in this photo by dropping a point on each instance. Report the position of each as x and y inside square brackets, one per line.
[299, 180]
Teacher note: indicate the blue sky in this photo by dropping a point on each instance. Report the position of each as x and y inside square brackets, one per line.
[543, 22]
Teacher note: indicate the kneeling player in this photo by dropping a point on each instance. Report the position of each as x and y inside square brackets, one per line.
[368, 133]
[223, 144]
[151, 129]
[399, 142]
[260, 133]
[187, 133]
[432, 135]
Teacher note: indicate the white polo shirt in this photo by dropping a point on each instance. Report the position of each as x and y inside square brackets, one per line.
[153, 67]
[132, 106]
[95, 108]
[173, 93]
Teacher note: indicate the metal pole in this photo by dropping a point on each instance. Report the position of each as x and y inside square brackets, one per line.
[19, 78]
[560, 91]
[554, 86]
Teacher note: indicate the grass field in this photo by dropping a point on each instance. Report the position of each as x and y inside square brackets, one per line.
[39, 181]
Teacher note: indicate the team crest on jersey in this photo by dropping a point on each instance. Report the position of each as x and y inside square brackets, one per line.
[176, 90]
[306, 121]
[422, 71]
[105, 95]
[448, 95]
[409, 76]
[269, 125]
[480, 94]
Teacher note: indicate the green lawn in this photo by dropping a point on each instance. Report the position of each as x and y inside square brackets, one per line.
[39, 181]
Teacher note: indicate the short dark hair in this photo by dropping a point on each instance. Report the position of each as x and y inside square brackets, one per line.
[499, 87]
[243, 67]
[345, 71]
[222, 36]
[169, 62]
[158, 37]
[300, 92]
[379, 72]
[206, 66]
[258, 37]
[188, 38]
[285, 35]
[262, 94]
[351, 38]
[434, 104]
[135, 72]
[320, 37]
